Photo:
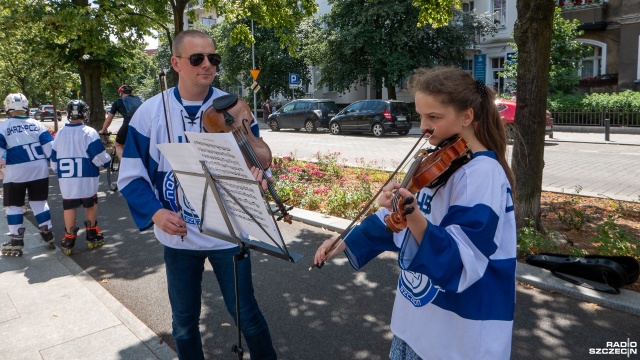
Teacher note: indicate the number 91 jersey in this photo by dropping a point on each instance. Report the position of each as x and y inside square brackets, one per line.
[28, 145]
[76, 158]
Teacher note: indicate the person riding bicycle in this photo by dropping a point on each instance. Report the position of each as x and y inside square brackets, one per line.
[122, 105]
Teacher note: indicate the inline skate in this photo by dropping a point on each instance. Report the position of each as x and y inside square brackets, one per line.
[94, 235]
[14, 247]
[69, 240]
[47, 236]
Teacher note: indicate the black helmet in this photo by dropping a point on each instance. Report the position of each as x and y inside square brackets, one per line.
[77, 109]
[125, 89]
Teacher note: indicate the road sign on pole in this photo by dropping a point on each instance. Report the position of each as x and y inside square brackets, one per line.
[254, 73]
[294, 79]
[255, 87]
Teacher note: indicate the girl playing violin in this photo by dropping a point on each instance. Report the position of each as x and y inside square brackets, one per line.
[457, 255]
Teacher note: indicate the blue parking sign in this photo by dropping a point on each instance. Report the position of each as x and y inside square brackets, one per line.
[294, 79]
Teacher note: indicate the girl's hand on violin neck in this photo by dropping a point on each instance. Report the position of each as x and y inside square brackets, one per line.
[325, 252]
[257, 174]
[386, 196]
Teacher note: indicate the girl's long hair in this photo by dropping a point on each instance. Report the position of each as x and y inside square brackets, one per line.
[456, 88]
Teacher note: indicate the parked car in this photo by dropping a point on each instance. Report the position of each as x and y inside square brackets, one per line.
[309, 114]
[507, 110]
[376, 116]
[32, 112]
[45, 112]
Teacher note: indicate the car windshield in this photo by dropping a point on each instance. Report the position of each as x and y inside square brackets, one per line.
[331, 106]
[48, 108]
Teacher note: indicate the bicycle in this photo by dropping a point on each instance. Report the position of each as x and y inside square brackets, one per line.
[114, 165]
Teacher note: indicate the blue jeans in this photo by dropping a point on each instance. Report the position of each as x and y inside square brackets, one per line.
[184, 280]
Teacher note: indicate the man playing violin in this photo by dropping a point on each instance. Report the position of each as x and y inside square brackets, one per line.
[147, 182]
[457, 249]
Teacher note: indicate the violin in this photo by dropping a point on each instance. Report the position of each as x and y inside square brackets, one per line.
[228, 114]
[429, 169]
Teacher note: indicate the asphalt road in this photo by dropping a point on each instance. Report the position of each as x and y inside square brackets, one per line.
[333, 313]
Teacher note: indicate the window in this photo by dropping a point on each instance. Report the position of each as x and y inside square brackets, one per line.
[500, 13]
[369, 105]
[590, 66]
[497, 66]
[468, 6]
[467, 66]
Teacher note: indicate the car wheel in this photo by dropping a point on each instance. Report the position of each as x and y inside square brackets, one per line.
[403, 132]
[310, 126]
[335, 128]
[273, 124]
[511, 133]
[378, 130]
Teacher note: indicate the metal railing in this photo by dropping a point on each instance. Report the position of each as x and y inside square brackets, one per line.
[596, 117]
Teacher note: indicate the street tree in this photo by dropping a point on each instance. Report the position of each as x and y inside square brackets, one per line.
[566, 55]
[381, 43]
[274, 64]
[533, 34]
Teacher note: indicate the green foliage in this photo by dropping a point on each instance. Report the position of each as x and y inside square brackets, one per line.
[566, 54]
[612, 240]
[532, 241]
[381, 43]
[623, 100]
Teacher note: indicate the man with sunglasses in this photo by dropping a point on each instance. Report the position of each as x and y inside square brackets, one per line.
[119, 105]
[146, 181]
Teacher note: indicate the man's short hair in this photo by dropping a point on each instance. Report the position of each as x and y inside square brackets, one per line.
[179, 40]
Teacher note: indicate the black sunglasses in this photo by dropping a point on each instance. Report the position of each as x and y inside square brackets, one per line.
[197, 59]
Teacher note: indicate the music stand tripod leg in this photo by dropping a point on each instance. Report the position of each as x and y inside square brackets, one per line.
[241, 255]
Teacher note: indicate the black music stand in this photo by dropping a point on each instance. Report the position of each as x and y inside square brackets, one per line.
[213, 185]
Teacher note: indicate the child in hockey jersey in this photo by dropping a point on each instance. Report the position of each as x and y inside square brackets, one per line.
[77, 155]
[456, 291]
[28, 146]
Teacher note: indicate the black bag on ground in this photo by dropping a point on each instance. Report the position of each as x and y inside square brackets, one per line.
[614, 271]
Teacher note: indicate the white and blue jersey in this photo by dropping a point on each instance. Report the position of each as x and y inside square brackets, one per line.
[456, 291]
[28, 145]
[78, 154]
[146, 178]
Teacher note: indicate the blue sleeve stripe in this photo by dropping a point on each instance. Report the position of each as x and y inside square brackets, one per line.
[95, 148]
[368, 240]
[137, 146]
[492, 297]
[438, 257]
[45, 137]
[478, 222]
[142, 202]
[15, 219]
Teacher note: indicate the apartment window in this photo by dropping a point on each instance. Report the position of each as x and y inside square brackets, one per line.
[500, 13]
[468, 6]
[590, 66]
[467, 66]
[497, 66]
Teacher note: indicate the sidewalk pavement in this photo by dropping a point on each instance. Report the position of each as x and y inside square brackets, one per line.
[50, 308]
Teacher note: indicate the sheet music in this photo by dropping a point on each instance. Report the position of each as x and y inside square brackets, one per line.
[222, 157]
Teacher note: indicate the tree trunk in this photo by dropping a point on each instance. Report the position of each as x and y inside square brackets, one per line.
[533, 33]
[91, 76]
[391, 92]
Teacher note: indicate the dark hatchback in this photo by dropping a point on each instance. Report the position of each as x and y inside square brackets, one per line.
[309, 114]
[376, 116]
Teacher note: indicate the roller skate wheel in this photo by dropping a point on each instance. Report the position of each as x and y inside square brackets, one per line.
[90, 245]
[66, 251]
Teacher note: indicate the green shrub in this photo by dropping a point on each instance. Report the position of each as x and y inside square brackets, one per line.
[612, 240]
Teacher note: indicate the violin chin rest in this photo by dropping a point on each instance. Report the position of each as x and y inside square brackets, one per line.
[225, 101]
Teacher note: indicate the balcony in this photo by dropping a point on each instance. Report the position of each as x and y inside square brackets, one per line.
[591, 13]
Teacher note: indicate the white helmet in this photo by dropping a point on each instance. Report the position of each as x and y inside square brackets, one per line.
[16, 102]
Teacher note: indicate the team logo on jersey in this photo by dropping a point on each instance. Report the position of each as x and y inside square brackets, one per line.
[417, 288]
[169, 192]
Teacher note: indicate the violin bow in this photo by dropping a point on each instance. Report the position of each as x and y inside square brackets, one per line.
[340, 239]
[167, 105]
